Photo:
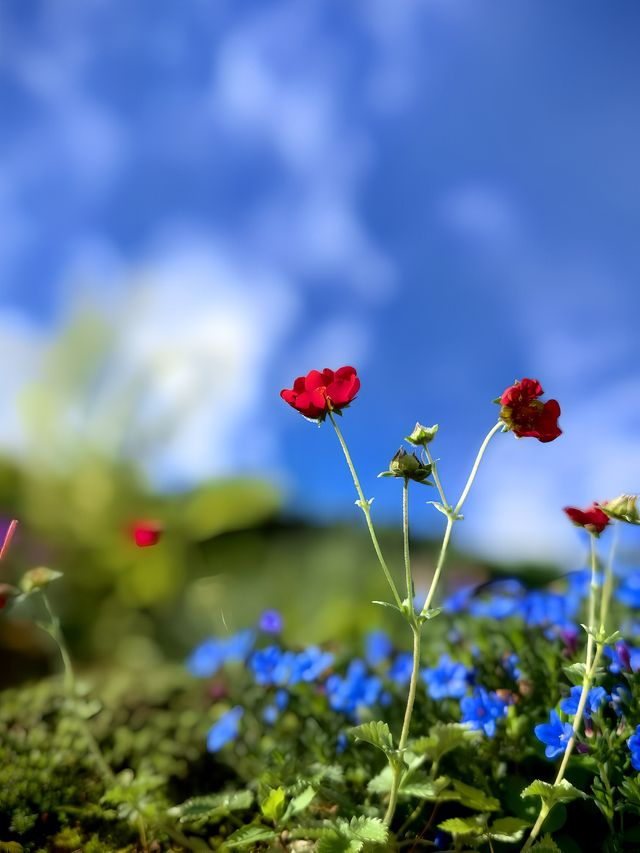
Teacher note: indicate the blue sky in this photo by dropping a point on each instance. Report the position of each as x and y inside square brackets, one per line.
[442, 193]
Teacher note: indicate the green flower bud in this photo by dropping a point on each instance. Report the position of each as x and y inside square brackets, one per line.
[409, 467]
[422, 435]
[623, 508]
[38, 578]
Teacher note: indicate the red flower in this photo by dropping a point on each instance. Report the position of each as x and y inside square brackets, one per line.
[526, 415]
[592, 519]
[317, 393]
[146, 533]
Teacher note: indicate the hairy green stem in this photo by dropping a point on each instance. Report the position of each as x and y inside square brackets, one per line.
[436, 476]
[398, 767]
[364, 506]
[591, 666]
[452, 515]
[405, 541]
[476, 465]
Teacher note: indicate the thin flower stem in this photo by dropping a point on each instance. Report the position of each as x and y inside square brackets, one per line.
[607, 586]
[476, 465]
[436, 476]
[399, 766]
[452, 515]
[593, 592]
[405, 541]
[591, 666]
[439, 564]
[364, 506]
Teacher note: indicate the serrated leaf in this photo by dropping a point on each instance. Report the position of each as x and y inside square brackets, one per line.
[272, 806]
[563, 792]
[474, 798]
[463, 825]
[376, 733]
[369, 829]
[443, 738]
[250, 834]
[213, 805]
[508, 829]
[339, 844]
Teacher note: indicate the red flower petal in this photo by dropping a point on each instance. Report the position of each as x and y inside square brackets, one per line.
[311, 394]
[592, 518]
[146, 533]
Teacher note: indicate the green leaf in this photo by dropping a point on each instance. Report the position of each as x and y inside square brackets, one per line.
[576, 672]
[249, 835]
[508, 829]
[272, 806]
[445, 510]
[387, 604]
[213, 805]
[369, 829]
[474, 798]
[376, 733]
[443, 738]
[424, 788]
[463, 825]
[339, 844]
[563, 792]
[299, 804]
[546, 845]
[381, 782]
[430, 614]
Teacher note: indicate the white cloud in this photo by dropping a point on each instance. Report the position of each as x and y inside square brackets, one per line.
[291, 100]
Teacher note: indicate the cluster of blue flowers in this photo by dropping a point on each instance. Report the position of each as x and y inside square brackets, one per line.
[556, 733]
[211, 655]
[511, 599]
[354, 692]
[276, 667]
[482, 709]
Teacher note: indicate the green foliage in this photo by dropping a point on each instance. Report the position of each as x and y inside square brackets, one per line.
[248, 836]
[563, 792]
[375, 733]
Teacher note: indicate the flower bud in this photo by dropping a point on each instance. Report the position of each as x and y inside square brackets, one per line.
[422, 435]
[623, 508]
[408, 466]
[38, 579]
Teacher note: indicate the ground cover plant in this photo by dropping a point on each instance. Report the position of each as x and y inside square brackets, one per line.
[500, 717]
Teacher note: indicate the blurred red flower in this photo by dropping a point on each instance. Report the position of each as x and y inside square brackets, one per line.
[526, 415]
[146, 533]
[592, 519]
[317, 393]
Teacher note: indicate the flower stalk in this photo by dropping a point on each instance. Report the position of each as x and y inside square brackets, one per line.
[592, 659]
[415, 623]
[365, 506]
